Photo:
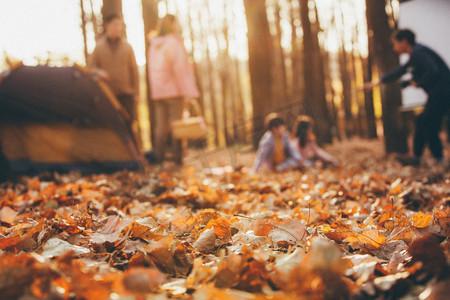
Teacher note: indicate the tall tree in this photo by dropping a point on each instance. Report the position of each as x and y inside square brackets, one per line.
[83, 28]
[315, 97]
[386, 59]
[111, 7]
[260, 48]
[280, 86]
[150, 17]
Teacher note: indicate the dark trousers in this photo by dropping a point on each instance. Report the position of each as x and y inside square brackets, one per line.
[127, 102]
[429, 123]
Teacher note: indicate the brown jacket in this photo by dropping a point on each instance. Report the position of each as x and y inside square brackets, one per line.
[120, 63]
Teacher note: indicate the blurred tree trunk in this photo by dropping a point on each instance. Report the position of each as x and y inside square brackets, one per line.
[315, 97]
[281, 89]
[150, 17]
[346, 92]
[83, 28]
[296, 59]
[346, 79]
[227, 85]
[111, 7]
[386, 59]
[93, 19]
[368, 102]
[260, 48]
[210, 79]
[296, 65]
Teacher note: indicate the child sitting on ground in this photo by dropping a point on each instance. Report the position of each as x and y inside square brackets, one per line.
[275, 152]
[304, 141]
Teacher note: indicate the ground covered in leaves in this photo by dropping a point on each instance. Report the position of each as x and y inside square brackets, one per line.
[371, 229]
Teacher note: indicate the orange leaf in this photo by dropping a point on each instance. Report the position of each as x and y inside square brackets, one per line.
[421, 220]
[9, 242]
[370, 239]
[221, 228]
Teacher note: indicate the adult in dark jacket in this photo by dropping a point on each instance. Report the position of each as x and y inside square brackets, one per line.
[429, 72]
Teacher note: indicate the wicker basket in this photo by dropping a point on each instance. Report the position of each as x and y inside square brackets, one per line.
[190, 127]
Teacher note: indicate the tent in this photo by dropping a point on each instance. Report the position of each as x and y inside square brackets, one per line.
[62, 119]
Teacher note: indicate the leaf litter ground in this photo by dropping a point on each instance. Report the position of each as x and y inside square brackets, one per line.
[370, 229]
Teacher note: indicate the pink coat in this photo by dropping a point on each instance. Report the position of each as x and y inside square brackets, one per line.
[171, 74]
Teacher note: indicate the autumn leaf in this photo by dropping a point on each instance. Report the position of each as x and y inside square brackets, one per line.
[143, 280]
[262, 228]
[422, 220]
[206, 242]
[290, 231]
[370, 239]
[7, 215]
[222, 229]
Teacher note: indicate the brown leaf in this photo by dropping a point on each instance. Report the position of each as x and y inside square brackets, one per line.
[142, 280]
[262, 228]
[290, 231]
[206, 242]
[7, 215]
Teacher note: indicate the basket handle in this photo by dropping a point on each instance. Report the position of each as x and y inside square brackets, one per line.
[195, 107]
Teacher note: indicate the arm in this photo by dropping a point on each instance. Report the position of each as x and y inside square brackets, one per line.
[388, 77]
[395, 74]
[94, 66]
[324, 156]
[294, 150]
[264, 153]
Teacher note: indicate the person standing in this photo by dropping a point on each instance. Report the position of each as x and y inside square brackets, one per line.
[430, 73]
[172, 84]
[113, 60]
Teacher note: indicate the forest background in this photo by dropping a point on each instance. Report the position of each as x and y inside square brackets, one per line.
[252, 57]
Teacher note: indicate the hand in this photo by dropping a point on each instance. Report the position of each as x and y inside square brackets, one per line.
[103, 75]
[368, 86]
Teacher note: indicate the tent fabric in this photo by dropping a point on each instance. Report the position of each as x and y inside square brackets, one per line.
[63, 119]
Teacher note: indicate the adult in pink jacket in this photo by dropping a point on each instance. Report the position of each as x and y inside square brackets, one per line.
[172, 84]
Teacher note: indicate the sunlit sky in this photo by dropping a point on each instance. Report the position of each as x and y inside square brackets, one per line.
[31, 28]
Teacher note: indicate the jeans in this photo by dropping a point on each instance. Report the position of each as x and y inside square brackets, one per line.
[167, 111]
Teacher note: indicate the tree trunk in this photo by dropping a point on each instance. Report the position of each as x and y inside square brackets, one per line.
[315, 96]
[260, 50]
[346, 92]
[385, 59]
[83, 28]
[111, 7]
[150, 17]
[297, 83]
[281, 89]
[368, 102]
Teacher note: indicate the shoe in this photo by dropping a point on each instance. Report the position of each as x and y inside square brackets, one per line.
[409, 161]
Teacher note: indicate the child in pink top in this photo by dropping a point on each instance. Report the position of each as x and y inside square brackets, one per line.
[304, 141]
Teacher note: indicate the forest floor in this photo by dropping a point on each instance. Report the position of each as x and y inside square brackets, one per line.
[370, 229]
